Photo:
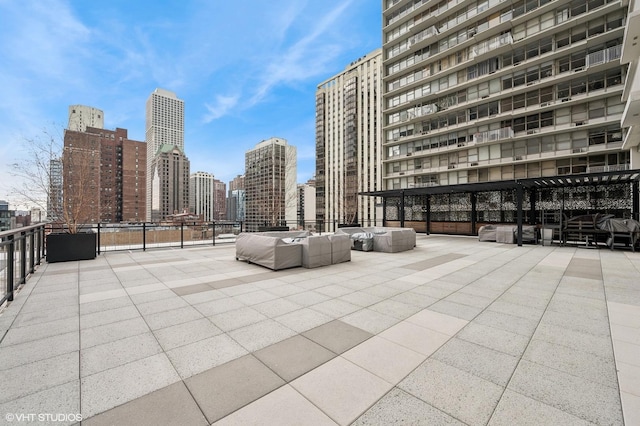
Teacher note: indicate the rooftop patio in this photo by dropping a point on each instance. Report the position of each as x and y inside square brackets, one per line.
[455, 331]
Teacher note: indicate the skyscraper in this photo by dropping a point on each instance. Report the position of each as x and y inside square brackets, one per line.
[202, 195]
[270, 182]
[307, 206]
[82, 116]
[489, 91]
[631, 94]
[170, 182]
[164, 126]
[236, 199]
[348, 143]
[219, 200]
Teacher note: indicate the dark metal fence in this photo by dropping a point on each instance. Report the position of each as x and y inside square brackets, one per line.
[20, 251]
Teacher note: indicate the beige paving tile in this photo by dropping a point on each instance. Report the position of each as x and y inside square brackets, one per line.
[110, 388]
[294, 356]
[626, 352]
[384, 358]
[171, 405]
[186, 333]
[630, 408]
[40, 375]
[414, 337]
[457, 393]
[398, 408]
[146, 288]
[442, 323]
[222, 390]
[102, 295]
[113, 331]
[282, 407]
[303, 319]
[113, 354]
[64, 398]
[337, 336]
[629, 378]
[260, 335]
[341, 389]
[514, 409]
[197, 357]
[582, 398]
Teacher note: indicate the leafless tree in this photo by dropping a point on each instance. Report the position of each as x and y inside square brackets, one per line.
[60, 180]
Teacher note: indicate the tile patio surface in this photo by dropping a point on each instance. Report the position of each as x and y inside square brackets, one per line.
[453, 332]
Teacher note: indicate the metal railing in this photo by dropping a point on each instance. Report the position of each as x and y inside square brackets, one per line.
[20, 251]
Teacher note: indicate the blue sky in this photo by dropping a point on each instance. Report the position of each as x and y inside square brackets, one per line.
[247, 70]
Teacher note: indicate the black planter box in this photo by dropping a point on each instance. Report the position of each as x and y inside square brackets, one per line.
[67, 247]
[349, 225]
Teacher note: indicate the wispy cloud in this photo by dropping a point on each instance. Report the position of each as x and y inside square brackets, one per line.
[291, 60]
[302, 60]
[222, 105]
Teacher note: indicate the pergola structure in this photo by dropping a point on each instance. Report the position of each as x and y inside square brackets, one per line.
[533, 186]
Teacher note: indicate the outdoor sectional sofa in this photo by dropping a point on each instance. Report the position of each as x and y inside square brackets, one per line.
[387, 240]
[289, 249]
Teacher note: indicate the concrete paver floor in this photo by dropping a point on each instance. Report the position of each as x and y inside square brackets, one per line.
[453, 332]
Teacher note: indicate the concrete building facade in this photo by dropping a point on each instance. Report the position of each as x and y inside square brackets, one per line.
[202, 195]
[631, 94]
[307, 207]
[219, 200]
[170, 183]
[164, 126]
[270, 184]
[82, 116]
[348, 143]
[495, 90]
[236, 199]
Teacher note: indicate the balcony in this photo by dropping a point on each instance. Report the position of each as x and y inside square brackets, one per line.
[192, 336]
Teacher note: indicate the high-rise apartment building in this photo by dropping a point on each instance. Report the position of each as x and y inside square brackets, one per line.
[202, 195]
[236, 183]
[236, 203]
[631, 94]
[54, 197]
[348, 147]
[270, 182]
[219, 200]
[170, 182]
[82, 116]
[104, 176]
[164, 126]
[307, 206]
[480, 91]
[236, 199]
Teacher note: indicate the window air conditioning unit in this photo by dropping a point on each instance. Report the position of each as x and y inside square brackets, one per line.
[566, 99]
[578, 69]
[579, 123]
[544, 104]
[474, 163]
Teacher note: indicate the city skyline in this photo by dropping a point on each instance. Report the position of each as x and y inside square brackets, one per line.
[243, 80]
